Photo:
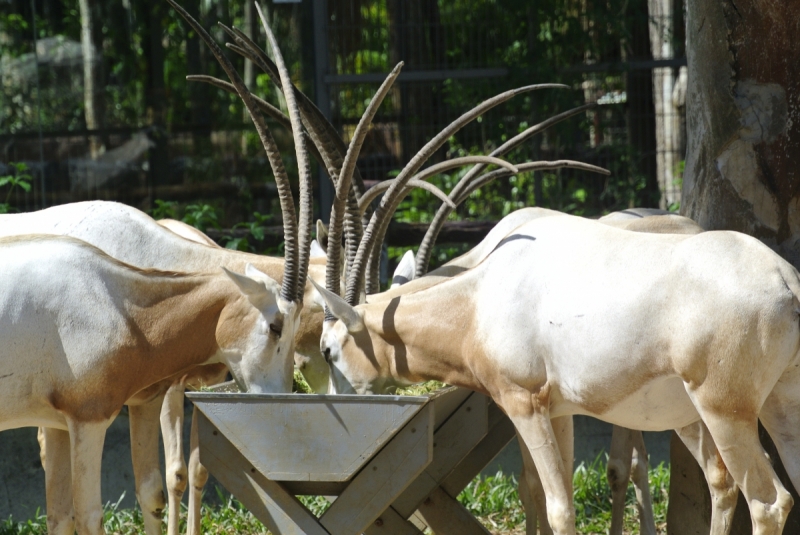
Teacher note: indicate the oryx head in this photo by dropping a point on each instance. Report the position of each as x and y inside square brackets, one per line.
[261, 355]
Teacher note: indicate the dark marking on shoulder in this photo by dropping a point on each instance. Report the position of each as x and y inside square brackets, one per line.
[6, 375]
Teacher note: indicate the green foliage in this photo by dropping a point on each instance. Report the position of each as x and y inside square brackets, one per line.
[165, 210]
[201, 216]
[255, 229]
[493, 499]
[299, 384]
[19, 179]
[421, 389]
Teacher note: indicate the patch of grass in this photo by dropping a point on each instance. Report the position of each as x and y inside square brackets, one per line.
[493, 499]
[420, 389]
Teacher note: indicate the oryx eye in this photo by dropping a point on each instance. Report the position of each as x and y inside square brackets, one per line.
[275, 329]
[327, 354]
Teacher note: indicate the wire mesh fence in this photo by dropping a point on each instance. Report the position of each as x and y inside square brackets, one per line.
[159, 138]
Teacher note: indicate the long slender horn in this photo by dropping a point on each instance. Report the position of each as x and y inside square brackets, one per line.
[373, 192]
[425, 248]
[305, 221]
[380, 218]
[484, 179]
[273, 112]
[343, 186]
[417, 180]
[322, 133]
[289, 285]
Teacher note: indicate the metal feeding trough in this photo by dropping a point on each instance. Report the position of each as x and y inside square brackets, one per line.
[393, 463]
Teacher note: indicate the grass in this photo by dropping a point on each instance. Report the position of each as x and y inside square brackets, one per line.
[493, 499]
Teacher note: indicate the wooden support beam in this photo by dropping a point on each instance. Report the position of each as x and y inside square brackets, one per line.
[446, 516]
[453, 441]
[392, 523]
[267, 500]
[387, 475]
[501, 432]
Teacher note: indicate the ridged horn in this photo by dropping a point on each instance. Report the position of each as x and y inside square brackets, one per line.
[379, 221]
[426, 246]
[323, 135]
[333, 271]
[373, 192]
[305, 222]
[273, 154]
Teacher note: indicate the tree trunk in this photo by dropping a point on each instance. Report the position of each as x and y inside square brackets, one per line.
[742, 162]
[90, 78]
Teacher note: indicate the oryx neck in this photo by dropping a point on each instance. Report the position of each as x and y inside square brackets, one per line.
[427, 335]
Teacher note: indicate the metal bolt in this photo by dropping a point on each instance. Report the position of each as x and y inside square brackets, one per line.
[427, 501]
[469, 409]
[413, 429]
[379, 522]
[374, 468]
[253, 470]
[214, 433]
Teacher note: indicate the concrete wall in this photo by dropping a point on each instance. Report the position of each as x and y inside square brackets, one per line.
[22, 477]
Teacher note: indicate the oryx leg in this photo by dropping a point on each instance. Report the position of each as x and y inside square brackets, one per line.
[198, 476]
[736, 437]
[146, 466]
[618, 473]
[627, 460]
[86, 449]
[780, 415]
[641, 483]
[723, 489]
[531, 491]
[532, 420]
[172, 432]
[55, 453]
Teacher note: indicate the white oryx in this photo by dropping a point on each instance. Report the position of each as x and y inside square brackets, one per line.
[646, 331]
[134, 238]
[137, 321]
[83, 333]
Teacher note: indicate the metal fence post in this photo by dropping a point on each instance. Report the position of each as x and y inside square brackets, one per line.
[321, 95]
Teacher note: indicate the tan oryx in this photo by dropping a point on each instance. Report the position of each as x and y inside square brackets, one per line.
[271, 339]
[566, 316]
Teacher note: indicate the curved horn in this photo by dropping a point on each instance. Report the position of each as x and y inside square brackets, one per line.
[273, 154]
[343, 186]
[424, 253]
[379, 220]
[429, 172]
[373, 192]
[426, 247]
[321, 130]
[306, 201]
[323, 135]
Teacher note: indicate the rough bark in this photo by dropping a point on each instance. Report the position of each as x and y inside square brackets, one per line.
[742, 162]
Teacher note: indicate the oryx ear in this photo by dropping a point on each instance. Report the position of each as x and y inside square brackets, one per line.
[256, 274]
[339, 308]
[406, 270]
[317, 251]
[260, 289]
[322, 235]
